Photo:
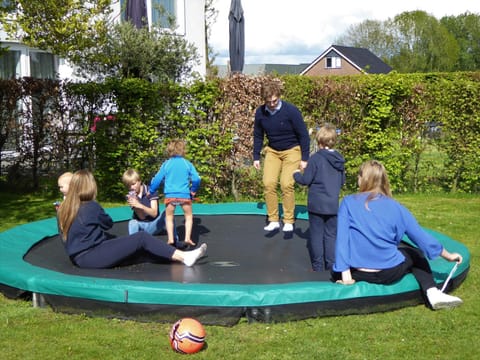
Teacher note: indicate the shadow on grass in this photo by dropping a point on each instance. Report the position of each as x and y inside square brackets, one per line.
[20, 209]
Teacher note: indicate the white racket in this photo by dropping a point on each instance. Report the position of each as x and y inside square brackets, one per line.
[449, 276]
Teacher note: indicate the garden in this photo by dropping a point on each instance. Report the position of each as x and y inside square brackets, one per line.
[424, 127]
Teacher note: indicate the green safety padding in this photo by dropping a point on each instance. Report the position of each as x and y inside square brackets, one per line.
[16, 273]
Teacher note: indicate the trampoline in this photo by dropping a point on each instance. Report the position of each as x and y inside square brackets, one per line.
[265, 277]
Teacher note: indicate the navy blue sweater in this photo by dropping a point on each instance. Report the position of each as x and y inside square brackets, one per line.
[88, 228]
[324, 176]
[284, 130]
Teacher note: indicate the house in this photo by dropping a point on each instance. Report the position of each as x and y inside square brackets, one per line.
[264, 69]
[345, 60]
[21, 60]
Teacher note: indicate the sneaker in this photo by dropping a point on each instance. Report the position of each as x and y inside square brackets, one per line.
[273, 225]
[439, 300]
[287, 227]
[191, 257]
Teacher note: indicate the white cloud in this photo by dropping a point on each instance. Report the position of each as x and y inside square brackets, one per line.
[293, 32]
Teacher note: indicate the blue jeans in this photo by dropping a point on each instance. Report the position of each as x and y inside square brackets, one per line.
[153, 227]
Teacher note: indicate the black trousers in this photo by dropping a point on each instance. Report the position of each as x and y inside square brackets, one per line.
[415, 263]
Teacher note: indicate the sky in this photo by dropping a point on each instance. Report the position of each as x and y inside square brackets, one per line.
[298, 31]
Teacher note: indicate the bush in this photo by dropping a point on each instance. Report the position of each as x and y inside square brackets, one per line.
[111, 126]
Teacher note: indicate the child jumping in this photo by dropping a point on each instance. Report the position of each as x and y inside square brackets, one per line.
[181, 182]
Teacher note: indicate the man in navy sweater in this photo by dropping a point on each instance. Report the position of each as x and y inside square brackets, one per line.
[287, 150]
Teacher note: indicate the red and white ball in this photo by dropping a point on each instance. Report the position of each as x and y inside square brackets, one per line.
[187, 336]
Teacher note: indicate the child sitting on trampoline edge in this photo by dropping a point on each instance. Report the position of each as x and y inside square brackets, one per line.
[181, 183]
[371, 225]
[83, 224]
[144, 204]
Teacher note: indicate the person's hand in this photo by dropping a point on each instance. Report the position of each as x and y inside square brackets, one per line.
[451, 256]
[456, 257]
[192, 195]
[303, 165]
[346, 282]
[256, 164]
[133, 202]
[346, 278]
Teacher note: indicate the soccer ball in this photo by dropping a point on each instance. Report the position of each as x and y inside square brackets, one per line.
[187, 336]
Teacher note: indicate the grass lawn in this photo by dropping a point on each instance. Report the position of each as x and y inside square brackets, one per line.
[409, 333]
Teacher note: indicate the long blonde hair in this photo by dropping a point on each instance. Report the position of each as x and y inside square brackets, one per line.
[373, 178]
[83, 187]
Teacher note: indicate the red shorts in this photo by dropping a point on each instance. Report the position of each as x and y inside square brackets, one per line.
[177, 201]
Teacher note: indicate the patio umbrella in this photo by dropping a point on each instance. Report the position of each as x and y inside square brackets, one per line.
[136, 13]
[237, 36]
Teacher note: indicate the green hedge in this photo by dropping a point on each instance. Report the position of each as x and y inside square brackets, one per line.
[424, 127]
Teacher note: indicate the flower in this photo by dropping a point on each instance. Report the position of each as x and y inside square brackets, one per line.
[99, 118]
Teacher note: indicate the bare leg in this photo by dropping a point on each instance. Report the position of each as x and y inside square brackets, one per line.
[169, 223]
[187, 211]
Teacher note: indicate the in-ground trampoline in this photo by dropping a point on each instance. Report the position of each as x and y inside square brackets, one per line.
[246, 273]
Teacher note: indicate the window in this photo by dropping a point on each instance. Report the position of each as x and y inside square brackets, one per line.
[162, 11]
[333, 62]
[10, 64]
[42, 65]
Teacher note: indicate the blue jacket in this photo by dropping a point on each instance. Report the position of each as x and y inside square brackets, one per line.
[369, 238]
[180, 178]
[324, 176]
[88, 228]
[284, 130]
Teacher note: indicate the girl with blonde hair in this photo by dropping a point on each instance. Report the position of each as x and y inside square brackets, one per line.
[371, 225]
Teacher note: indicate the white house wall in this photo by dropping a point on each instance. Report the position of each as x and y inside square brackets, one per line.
[191, 25]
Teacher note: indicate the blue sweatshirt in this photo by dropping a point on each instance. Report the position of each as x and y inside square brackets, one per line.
[284, 129]
[180, 178]
[88, 228]
[370, 238]
[324, 176]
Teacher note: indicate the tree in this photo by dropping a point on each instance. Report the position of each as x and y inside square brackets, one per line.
[423, 44]
[370, 34]
[156, 55]
[466, 30]
[65, 27]
[410, 42]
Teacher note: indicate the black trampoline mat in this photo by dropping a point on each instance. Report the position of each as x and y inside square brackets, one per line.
[239, 252]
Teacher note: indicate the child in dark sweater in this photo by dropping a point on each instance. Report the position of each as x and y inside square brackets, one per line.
[324, 176]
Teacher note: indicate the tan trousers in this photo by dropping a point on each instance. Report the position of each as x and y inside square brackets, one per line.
[280, 164]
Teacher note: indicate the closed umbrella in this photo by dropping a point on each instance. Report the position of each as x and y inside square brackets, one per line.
[237, 36]
[136, 13]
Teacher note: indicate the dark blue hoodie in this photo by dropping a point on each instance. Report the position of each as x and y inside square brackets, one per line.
[324, 176]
